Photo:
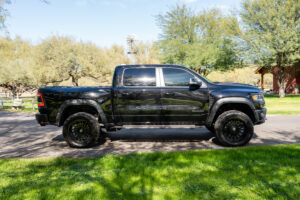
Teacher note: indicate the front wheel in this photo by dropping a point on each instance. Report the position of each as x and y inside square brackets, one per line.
[81, 130]
[234, 128]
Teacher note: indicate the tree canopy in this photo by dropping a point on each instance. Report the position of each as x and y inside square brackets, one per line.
[204, 41]
[61, 58]
[272, 33]
[56, 60]
[16, 61]
[208, 40]
[146, 53]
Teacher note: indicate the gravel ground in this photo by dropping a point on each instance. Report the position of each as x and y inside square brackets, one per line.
[21, 136]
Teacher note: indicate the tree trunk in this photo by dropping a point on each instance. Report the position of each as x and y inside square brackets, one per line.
[282, 79]
[74, 81]
[281, 89]
[14, 93]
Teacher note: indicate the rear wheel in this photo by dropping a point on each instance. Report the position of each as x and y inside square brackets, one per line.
[233, 128]
[81, 130]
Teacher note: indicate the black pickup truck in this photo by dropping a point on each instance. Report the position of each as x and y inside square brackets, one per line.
[153, 95]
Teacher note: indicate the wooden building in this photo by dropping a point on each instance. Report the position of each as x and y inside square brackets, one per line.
[293, 85]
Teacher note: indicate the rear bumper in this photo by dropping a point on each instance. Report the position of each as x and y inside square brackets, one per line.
[42, 119]
[260, 115]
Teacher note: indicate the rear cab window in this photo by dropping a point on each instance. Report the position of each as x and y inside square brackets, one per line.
[136, 77]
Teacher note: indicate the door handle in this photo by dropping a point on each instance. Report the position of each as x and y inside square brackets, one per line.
[170, 94]
[125, 93]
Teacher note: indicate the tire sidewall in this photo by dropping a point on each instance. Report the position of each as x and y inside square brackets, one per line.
[225, 118]
[95, 130]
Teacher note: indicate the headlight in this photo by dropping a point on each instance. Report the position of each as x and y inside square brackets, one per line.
[257, 97]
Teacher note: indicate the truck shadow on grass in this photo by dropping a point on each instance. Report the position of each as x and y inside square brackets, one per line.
[261, 172]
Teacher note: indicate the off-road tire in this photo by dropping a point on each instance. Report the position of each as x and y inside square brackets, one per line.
[233, 128]
[81, 130]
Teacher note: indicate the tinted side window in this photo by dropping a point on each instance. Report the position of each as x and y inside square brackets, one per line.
[176, 77]
[139, 77]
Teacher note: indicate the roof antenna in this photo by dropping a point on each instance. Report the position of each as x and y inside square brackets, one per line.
[132, 50]
[131, 42]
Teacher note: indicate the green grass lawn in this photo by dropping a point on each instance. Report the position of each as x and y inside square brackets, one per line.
[27, 106]
[288, 105]
[263, 172]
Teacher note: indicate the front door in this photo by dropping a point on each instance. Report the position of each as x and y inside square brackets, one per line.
[180, 104]
[138, 97]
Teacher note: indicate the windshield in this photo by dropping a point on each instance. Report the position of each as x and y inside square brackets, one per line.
[202, 77]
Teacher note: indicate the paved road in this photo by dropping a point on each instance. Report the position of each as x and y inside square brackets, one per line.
[21, 136]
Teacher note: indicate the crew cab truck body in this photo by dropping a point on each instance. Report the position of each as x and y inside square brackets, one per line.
[153, 95]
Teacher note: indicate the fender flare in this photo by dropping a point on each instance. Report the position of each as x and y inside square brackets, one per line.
[78, 102]
[229, 100]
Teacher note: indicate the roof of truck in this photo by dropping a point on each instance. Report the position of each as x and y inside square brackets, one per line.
[151, 65]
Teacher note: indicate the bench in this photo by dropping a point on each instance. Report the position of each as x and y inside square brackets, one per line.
[18, 104]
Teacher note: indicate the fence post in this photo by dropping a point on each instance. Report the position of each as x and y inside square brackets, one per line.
[33, 107]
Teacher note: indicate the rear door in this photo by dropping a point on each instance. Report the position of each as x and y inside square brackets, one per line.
[138, 97]
[180, 104]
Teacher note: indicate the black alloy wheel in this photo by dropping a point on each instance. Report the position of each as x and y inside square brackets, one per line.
[234, 128]
[81, 130]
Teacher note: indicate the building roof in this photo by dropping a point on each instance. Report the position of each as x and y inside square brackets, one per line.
[258, 70]
[261, 70]
[264, 70]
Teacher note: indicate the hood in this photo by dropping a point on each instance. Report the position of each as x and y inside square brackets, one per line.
[234, 89]
[236, 85]
[233, 84]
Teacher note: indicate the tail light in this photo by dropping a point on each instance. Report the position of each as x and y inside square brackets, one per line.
[40, 100]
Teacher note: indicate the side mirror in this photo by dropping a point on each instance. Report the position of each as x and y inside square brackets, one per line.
[194, 85]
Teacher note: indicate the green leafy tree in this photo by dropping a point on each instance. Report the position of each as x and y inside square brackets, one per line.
[205, 41]
[16, 66]
[216, 47]
[61, 58]
[114, 55]
[272, 33]
[94, 62]
[179, 32]
[146, 53]
[55, 60]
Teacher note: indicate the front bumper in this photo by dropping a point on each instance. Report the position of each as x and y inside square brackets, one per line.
[42, 119]
[260, 115]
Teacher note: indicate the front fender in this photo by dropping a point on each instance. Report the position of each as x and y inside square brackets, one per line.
[78, 102]
[229, 100]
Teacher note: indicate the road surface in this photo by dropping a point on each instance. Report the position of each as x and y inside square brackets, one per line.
[21, 136]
